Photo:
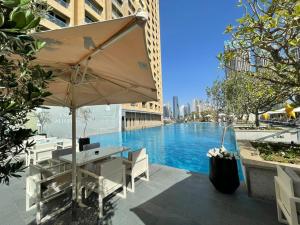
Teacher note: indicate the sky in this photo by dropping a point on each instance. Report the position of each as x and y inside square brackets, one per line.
[192, 35]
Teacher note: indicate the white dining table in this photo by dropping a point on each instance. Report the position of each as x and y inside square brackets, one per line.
[93, 155]
[90, 156]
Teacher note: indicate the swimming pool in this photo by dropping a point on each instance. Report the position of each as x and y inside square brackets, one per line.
[182, 146]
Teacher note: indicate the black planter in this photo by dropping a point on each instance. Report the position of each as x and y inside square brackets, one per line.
[82, 142]
[223, 173]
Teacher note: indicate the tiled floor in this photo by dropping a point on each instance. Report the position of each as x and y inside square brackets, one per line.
[171, 197]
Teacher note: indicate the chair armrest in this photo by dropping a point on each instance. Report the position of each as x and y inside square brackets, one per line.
[126, 161]
[55, 176]
[295, 199]
[89, 173]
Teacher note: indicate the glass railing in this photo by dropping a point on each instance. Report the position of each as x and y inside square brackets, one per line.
[56, 20]
[63, 3]
[92, 5]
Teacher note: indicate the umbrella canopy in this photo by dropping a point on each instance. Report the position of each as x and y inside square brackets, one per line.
[106, 63]
[99, 63]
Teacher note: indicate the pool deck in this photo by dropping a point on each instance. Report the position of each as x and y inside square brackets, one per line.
[171, 197]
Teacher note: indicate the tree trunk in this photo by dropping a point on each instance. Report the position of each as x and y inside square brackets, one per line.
[257, 119]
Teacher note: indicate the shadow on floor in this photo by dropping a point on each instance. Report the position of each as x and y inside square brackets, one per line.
[195, 201]
[85, 216]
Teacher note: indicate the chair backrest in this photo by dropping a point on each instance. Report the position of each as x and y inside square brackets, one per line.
[139, 161]
[138, 155]
[91, 146]
[43, 146]
[285, 188]
[58, 153]
[112, 171]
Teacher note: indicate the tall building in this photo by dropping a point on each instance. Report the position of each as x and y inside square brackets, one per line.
[188, 108]
[175, 108]
[66, 13]
[167, 111]
[240, 63]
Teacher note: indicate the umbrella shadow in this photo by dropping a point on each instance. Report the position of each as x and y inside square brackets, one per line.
[195, 201]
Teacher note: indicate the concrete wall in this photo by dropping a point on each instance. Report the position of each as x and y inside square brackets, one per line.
[103, 119]
[259, 174]
[253, 135]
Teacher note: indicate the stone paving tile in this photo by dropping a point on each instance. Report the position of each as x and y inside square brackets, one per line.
[171, 197]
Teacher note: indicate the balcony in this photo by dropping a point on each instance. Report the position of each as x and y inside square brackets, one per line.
[88, 20]
[63, 3]
[97, 8]
[132, 8]
[118, 2]
[55, 19]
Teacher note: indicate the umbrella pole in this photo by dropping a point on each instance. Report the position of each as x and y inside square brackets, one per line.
[74, 183]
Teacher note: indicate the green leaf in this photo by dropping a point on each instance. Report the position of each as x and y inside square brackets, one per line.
[228, 29]
[11, 3]
[25, 2]
[297, 9]
[34, 23]
[18, 17]
[2, 20]
[11, 105]
[29, 17]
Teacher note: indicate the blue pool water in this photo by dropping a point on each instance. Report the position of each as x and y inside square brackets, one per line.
[182, 146]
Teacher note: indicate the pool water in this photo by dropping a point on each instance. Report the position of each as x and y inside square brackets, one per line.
[182, 146]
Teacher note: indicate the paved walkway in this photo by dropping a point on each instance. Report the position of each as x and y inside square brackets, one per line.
[171, 197]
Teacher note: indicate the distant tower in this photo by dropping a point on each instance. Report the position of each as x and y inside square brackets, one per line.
[240, 63]
[175, 108]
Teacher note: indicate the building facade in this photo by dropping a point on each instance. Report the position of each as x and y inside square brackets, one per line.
[176, 112]
[240, 63]
[66, 13]
[167, 113]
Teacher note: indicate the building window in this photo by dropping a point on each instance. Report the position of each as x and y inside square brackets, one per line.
[64, 3]
[116, 12]
[142, 3]
[118, 2]
[131, 6]
[89, 18]
[57, 19]
[95, 6]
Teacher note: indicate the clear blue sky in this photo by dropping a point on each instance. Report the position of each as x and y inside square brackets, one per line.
[192, 35]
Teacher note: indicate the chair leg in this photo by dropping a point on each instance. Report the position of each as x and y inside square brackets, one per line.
[147, 174]
[38, 205]
[100, 206]
[280, 215]
[132, 184]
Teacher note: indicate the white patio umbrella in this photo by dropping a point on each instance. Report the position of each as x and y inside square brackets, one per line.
[98, 63]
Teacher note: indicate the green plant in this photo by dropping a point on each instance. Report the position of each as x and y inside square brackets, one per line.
[269, 32]
[22, 84]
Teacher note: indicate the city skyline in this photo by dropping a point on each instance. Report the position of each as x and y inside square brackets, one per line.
[189, 57]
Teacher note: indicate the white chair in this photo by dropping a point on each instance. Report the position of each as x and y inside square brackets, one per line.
[137, 164]
[40, 153]
[91, 146]
[287, 203]
[109, 178]
[44, 184]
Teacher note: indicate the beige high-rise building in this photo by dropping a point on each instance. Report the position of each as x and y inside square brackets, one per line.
[66, 13]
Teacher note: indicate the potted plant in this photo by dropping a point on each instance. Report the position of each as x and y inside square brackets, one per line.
[85, 114]
[223, 170]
